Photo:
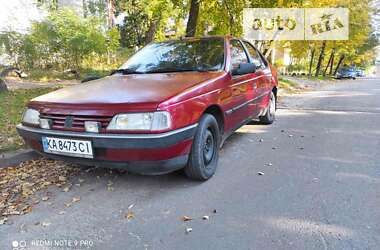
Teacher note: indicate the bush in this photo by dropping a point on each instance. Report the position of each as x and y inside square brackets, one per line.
[64, 40]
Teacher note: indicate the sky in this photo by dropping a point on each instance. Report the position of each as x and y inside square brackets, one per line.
[18, 14]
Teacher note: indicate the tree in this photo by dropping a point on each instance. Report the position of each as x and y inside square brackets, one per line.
[191, 27]
[3, 86]
[110, 13]
[320, 59]
[311, 61]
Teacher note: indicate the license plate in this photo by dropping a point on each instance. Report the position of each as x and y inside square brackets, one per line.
[70, 147]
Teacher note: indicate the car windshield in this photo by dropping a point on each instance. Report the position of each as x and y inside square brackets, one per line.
[177, 56]
[346, 70]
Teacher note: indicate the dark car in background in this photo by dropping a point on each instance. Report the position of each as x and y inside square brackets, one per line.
[347, 73]
[360, 73]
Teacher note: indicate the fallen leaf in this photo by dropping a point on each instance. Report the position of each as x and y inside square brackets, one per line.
[45, 224]
[75, 199]
[206, 217]
[61, 212]
[27, 209]
[45, 198]
[269, 164]
[62, 178]
[186, 218]
[66, 189]
[189, 230]
[3, 221]
[260, 173]
[130, 215]
[131, 206]
[214, 211]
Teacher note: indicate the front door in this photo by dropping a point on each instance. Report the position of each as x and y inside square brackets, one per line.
[241, 88]
[262, 79]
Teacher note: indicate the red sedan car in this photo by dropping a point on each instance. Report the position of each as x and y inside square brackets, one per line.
[170, 106]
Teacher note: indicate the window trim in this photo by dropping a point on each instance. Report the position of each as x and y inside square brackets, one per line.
[244, 49]
[264, 62]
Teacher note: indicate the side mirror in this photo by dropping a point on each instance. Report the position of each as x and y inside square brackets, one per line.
[244, 68]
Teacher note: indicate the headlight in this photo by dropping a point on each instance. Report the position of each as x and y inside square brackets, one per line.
[31, 116]
[152, 121]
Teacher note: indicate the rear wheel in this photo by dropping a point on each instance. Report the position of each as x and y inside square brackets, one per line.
[205, 150]
[270, 114]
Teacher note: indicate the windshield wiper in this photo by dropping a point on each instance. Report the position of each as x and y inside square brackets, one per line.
[126, 71]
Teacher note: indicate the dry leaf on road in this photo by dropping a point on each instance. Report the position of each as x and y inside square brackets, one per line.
[186, 218]
[130, 215]
[75, 199]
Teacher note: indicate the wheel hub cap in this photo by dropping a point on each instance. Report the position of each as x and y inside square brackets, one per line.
[208, 147]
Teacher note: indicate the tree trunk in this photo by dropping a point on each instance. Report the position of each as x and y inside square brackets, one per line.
[328, 64]
[332, 64]
[153, 26]
[84, 6]
[320, 59]
[110, 13]
[311, 61]
[191, 27]
[339, 63]
[3, 86]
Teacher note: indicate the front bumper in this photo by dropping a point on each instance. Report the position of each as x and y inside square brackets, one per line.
[140, 153]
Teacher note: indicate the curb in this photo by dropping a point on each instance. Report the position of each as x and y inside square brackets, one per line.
[16, 157]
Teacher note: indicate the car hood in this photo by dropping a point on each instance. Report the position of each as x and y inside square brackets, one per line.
[126, 89]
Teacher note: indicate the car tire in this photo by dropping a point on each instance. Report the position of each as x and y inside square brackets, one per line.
[204, 155]
[270, 114]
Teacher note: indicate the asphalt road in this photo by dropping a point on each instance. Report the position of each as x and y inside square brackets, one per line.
[320, 188]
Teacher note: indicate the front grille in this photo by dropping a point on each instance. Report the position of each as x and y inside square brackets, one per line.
[58, 121]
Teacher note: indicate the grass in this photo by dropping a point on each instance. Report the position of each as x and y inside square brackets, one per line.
[12, 106]
[288, 86]
[54, 75]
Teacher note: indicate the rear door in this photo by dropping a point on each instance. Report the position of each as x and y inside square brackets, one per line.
[263, 77]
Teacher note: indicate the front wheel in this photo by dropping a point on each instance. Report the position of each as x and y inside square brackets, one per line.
[204, 153]
[269, 116]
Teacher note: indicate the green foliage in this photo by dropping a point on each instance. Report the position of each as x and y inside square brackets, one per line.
[66, 40]
[12, 106]
[63, 40]
[221, 17]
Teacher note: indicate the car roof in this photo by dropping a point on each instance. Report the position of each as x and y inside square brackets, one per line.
[226, 37]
